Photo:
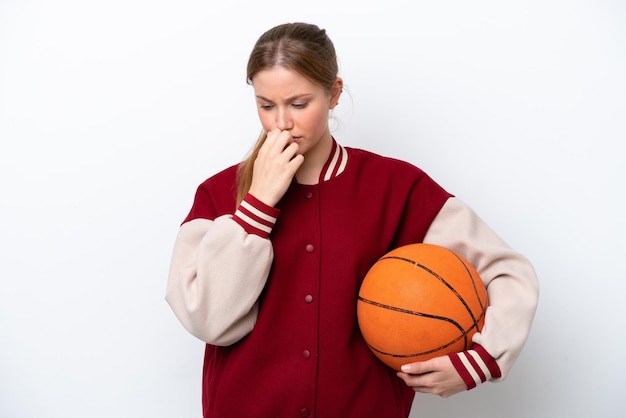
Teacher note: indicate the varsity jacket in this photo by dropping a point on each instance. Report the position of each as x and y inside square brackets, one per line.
[273, 290]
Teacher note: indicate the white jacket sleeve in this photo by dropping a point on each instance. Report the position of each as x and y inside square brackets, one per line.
[217, 272]
[510, 279]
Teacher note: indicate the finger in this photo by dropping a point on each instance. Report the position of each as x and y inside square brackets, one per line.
[284, 140]
[294, 164]
[273, 147]
[290, 151]
[417, 368]
[281, 147]
[416, 382]
[270, 150]
[278, 139]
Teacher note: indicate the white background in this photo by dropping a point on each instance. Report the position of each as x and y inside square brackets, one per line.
[112, 112]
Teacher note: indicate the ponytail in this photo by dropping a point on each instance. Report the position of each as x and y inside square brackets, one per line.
[246, 168]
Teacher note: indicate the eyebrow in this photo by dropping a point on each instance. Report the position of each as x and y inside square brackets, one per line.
[289, 99]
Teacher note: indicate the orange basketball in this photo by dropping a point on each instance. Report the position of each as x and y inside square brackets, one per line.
[418, 302]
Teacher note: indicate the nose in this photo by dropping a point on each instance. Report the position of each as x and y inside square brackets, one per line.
[284, 121]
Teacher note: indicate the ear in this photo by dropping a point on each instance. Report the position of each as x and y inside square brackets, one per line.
[335, 92]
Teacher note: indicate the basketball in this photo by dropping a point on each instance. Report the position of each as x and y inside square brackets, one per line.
[420, 301]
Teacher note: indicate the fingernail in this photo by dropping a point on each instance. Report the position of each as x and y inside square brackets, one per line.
[406, 368]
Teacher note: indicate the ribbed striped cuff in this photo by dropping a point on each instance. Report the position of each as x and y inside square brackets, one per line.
[475, 366]
[255, 216]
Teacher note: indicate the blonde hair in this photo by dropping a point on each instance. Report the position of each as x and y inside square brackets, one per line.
[301, 47]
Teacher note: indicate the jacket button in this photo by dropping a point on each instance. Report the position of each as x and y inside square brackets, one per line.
[308, 195]
[304, 412]
[310, 248]
[306, 354]
[308, 298]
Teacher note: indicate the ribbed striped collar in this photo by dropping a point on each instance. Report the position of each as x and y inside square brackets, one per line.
[336, 163]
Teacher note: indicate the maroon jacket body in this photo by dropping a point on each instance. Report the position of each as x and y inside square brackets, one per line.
[305, 355]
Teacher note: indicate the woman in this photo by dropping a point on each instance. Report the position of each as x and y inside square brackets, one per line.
[267, 265]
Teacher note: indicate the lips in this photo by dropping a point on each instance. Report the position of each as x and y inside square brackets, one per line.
[296, 139]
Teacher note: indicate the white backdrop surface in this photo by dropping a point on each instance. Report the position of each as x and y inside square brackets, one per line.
[111, 113]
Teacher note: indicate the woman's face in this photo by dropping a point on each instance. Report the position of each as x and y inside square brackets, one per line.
[290, 102]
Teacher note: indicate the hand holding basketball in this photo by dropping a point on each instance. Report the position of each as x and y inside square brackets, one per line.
[436, 376]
